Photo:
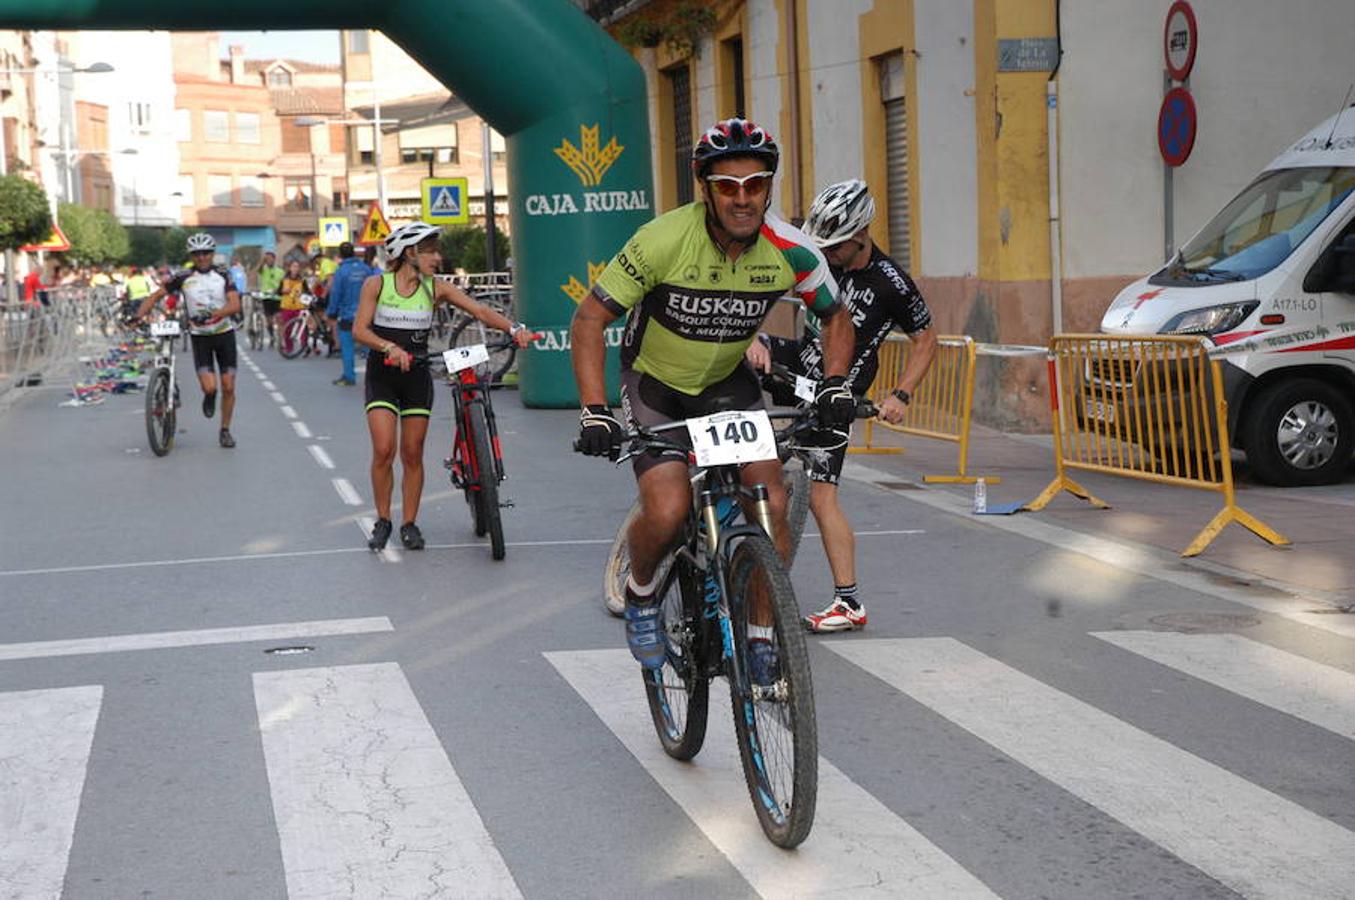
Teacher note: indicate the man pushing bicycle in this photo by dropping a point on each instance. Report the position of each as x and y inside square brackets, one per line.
[696, 284]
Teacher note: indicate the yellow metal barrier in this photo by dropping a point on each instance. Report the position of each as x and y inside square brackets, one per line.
[1144, 407]
[941, 406]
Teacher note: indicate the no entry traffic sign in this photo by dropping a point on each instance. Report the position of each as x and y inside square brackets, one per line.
[1176, 126]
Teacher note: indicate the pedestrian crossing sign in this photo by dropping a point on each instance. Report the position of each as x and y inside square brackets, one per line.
[333, 232]
[375, 230]
[444, 201]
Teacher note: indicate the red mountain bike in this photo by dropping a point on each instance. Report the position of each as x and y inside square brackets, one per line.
[476, 463]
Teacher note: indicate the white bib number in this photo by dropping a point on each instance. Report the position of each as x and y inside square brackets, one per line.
[458, 358]
[167, 328]
[741, 436]
[804, 388]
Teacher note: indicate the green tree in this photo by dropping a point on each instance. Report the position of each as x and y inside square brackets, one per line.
[115, 243]
[96, 237]
[148, 245]
[25, 217]
[176, 245]
[464, 246]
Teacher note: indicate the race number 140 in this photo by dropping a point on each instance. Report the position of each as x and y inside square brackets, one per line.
[732, 437]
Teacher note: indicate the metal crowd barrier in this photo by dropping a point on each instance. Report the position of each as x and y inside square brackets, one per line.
[940, 408]
[1150, 408]
[39, 339]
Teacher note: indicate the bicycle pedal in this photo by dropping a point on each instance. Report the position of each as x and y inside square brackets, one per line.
[507, 504]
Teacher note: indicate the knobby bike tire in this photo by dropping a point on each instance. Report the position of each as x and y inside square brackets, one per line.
[796, 480]
[160, 421]
[679, 692]
[488, 478]
[777, 736]
[293, 338]
[617, 570]
[500, 361]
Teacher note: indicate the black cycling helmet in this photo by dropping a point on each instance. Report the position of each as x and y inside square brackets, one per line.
[731, 138]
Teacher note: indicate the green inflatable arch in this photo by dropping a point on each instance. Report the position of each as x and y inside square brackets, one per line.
[570, 102]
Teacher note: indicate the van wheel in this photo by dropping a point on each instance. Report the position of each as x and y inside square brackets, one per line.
[1299, 432]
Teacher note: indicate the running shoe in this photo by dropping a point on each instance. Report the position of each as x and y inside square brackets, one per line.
[763, 667]
[644, 634]
[225, 439]
[381, 533]
[209, 404]
[411, 536]
[343, 382]
[837, 617]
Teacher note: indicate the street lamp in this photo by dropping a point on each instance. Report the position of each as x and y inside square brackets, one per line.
[376, 135]
[136, 196]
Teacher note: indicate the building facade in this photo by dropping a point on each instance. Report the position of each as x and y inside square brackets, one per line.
[943, 106]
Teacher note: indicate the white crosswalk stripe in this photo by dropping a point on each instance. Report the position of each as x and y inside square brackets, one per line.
[1246, 837]
[1305, 689]
[858, 847]
[366, 801]
[45, 741]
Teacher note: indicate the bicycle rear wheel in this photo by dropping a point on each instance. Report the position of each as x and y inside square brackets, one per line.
[776, 727]
[679, 693]
[292, 338]
[160, 413]
[796, 480]
[489, 481]
[616, 571]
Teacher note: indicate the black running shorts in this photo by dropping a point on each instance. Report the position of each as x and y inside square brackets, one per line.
[648, 401]
[403, 393]
[210, 348]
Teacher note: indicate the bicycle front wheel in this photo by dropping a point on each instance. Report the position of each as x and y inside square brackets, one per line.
[473, 331]
[679, 692]
[292, 340]
[160, 413]
[617, 570]
[489, 481]
[775, 722]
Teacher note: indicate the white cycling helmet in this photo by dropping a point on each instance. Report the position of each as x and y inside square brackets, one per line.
[411, 235]
[201, 242]
[839, 212]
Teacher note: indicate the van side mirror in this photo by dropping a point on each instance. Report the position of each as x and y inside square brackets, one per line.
[1334, 271]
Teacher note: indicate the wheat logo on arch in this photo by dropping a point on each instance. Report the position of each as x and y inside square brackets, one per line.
[576, 289]
[590, 162]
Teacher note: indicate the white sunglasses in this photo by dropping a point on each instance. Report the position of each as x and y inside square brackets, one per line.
[729, 185]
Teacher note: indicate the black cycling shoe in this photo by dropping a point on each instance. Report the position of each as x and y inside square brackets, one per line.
[209, 404]
[411, 536]
[381, 533]
[225, 439]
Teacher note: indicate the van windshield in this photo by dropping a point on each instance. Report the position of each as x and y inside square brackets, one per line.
[1261, 226]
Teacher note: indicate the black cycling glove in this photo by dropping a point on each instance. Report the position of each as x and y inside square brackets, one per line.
[834, 402]
[599, 432]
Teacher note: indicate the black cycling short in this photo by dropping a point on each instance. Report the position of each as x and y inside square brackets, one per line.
[825, 465]
[214, 347]
[403, 393]
[270, 305]
[648, 401]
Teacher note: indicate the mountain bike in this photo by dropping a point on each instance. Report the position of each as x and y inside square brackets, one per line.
[469, 331]
[794, 457]
[476, 463]
[725, 573]
[256, 320]
[162, 390]
[305, 333]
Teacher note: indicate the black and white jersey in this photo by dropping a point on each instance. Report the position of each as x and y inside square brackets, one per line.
[204, 293]
[880, 296]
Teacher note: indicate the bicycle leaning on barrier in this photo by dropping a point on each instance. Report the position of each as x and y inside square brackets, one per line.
[722, 584]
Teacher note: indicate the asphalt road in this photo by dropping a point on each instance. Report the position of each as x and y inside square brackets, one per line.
[1024, 717]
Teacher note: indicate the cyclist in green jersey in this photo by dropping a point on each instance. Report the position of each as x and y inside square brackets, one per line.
[395, 312]
[696, 284]
[270, 283]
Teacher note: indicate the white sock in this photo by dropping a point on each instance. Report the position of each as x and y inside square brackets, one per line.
[760, 632]
[641, 590]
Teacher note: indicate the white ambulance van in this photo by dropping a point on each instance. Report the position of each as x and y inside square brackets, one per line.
[1274, 275]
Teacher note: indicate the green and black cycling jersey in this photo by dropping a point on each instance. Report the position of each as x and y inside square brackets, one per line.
[404, 321]
[693, 311]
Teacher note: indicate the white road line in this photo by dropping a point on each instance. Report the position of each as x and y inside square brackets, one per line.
[1309, 690]
[347, 493]
[45, 740]
[162, 640]
[288, 412]
[277, 396]
[269, 386]
[301, 430]
[366, 801]
[858, 846]
[320, 455]
[390, 554]
[1140, 559]
[1257, 843]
